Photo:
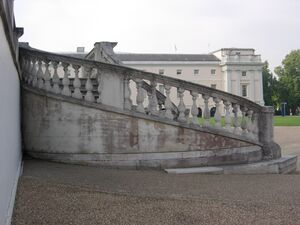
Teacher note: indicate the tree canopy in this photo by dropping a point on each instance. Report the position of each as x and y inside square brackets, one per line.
[270, 85]
[288, 87]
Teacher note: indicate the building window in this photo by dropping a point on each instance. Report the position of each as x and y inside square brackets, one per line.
[196, 72]
[244, 90]
[213, 86]
[179, 72]
[244, 73]
[212, 71]
[161, 72]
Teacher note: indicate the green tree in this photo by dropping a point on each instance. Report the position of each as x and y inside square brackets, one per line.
[269, 86]
[289, 80]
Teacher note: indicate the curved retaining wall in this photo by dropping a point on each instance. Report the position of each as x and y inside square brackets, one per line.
[69, 130]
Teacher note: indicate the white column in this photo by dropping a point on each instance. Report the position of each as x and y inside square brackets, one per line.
[260, 83]
[238, 83]
[252, 86]
[228, 81]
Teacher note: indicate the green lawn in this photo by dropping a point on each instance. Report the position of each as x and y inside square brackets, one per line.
[278, 121]
[287, 121]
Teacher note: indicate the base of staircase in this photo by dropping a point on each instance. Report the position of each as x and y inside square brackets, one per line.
[284, 165]
[159, 160]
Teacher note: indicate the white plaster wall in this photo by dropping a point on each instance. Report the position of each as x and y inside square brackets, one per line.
[10, 138]
[204, 77]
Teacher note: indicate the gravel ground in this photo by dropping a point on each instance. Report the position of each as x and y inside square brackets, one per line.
[42, 202]
[53, 193]
[289, 140]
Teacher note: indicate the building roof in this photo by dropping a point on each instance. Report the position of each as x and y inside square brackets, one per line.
[166, 57]
[80, 55]
[233, 48]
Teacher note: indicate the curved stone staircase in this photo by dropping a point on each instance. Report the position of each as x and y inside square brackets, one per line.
[81, 111]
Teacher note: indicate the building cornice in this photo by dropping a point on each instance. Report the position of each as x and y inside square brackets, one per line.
[237, 49]
[242, 64]
[170, 63]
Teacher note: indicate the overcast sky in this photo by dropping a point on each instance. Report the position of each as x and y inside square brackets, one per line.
[272, 27]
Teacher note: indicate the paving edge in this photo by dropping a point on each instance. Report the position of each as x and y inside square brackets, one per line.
[284, 165]
[202, 170]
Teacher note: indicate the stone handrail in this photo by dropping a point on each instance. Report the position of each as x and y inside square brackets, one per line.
[242, 117]
[103, 52]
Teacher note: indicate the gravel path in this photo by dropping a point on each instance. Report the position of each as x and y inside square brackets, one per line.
[53, 193]
[289, 140]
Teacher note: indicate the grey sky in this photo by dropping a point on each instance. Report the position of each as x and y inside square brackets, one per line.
[272, 27]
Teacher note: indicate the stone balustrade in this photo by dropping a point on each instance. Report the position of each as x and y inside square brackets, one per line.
[242, 118]
[242, 58]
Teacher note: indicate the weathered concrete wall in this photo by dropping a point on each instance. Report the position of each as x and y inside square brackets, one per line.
[58, 126]
[10, 138]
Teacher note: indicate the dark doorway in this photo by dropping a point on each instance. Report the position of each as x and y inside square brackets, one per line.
[199, 112]
[212, 111]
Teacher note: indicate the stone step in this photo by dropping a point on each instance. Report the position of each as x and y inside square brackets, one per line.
[161, 160]
[202, 170]
[284, 165]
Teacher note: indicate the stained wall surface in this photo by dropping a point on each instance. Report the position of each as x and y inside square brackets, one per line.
[58, 127]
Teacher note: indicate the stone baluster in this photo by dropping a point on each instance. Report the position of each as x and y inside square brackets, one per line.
[139, 96]
[66, 81]
[194, 109]
[29, 70]
[227, 115]
[255, 126]
[76, 83]
[244, 121]
[34, 73]
[168, 103]
[217, 115]
[24, 68]
[236, 123]
[127, 93]
[161, 112]
[249, 124]
[100, 85]
[206, 113]
[153, 99]
[181, 106]
[55, 79]
[40, 75]
[147, 109]
[89, 86]
[23, 63]
[47, 76]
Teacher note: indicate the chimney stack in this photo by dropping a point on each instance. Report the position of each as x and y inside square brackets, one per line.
[80, 49]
